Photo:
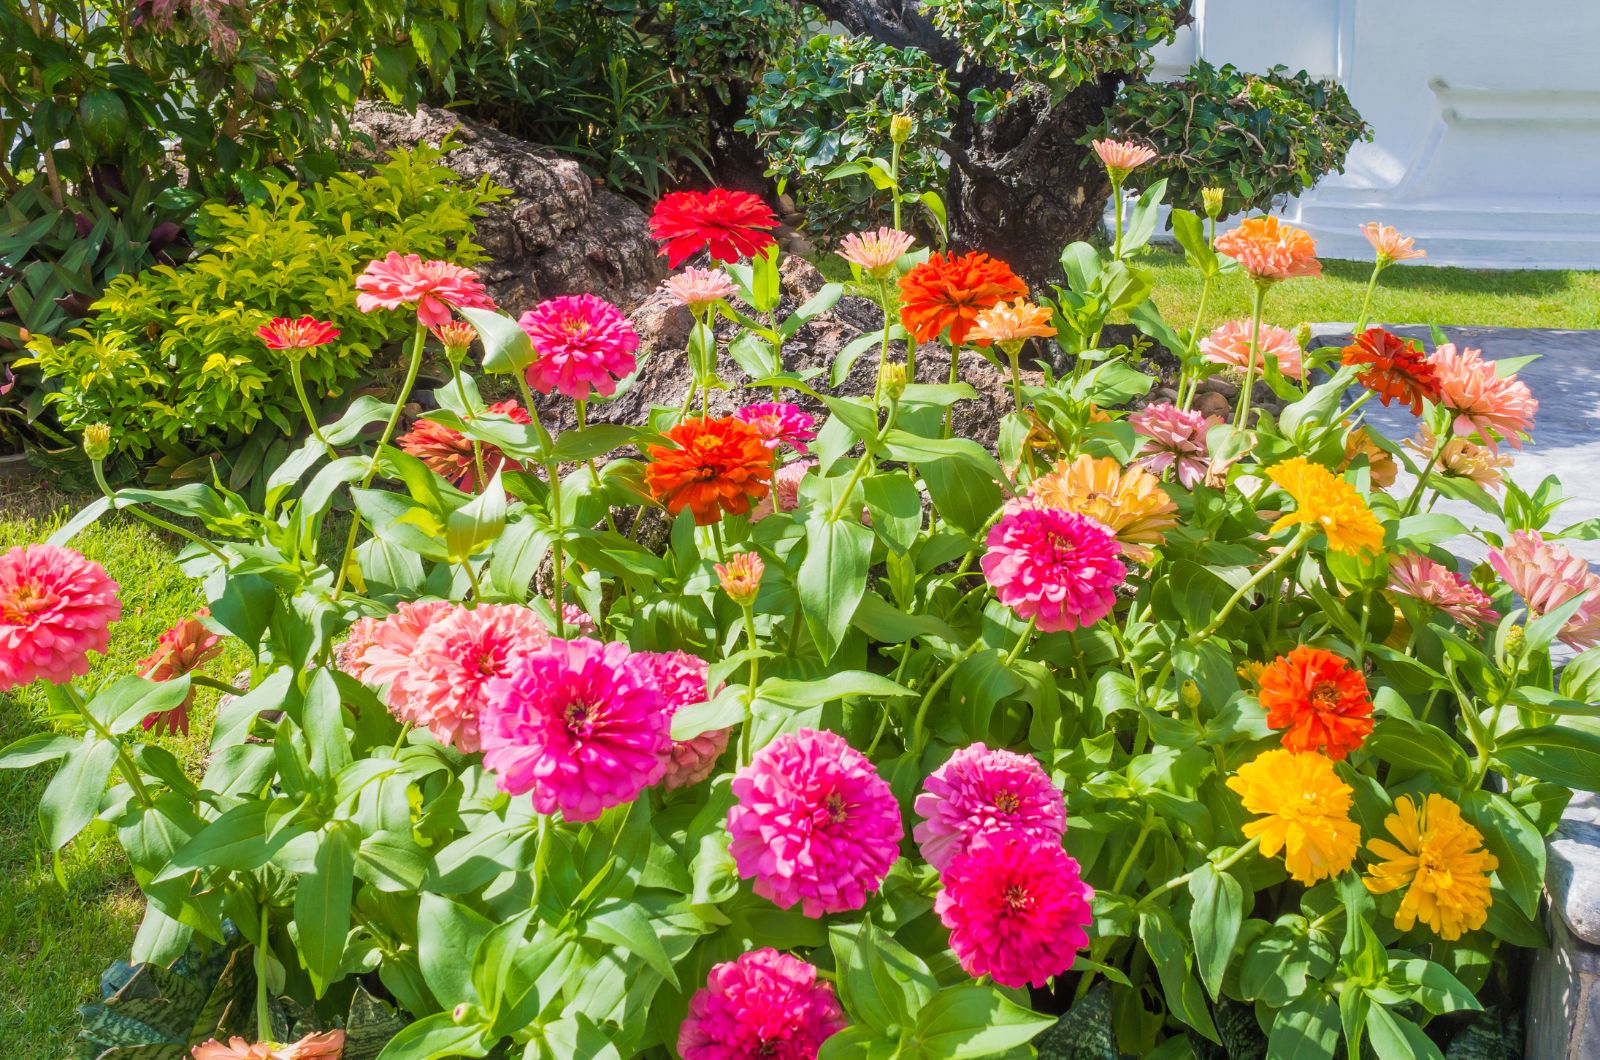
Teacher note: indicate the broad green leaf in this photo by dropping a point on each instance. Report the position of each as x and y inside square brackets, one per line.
[1214, 920]
[832, 578]
[72, 797]
[322, 905]
[1185, 999]
[974, 1021]
[506, 347]
[1515, 843]
[128, 700]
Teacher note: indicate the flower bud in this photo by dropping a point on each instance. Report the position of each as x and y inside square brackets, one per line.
[900, 127]
[741, 577]
[1514, 639]
[456, 337]
[1302, 336]
[465, 1014]
[1189, 692]
[1212, 198]
[894, 381]
[97, 441]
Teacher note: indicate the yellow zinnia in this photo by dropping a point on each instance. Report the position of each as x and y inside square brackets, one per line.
[1441, 863]
[1307, 812]
[1325, 500]
[1128, 501]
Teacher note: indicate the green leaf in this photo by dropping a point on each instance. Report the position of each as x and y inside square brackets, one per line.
[1214, 920]
[1395, 1038]
[1184, 997]
[896, 509]
[477, 523]
[597, 439]
[1433, 986]
[240, 840]
[623, 923]
[518, 553]
[72, 797]
[1189, 230]
[1556, 753]
[322, 905]
[964, 496]
[35, 750]
[838, 685]
[974, 1021]
[506, 347]
[1515, 843]
[435, 1037]
[126, 701]
[1308, 1029]
[1406, 742]
[832, 578]
[448, 933]
[881, 983]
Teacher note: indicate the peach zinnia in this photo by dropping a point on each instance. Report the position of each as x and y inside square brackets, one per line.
[718, 465]
[875, 252]
[1121, 157]
[433, 287]
[1270, 250]
[1498, 407]
[1012, 322]
[1229, 344]
[1389, 244]
[946, 293]
[1128, 501]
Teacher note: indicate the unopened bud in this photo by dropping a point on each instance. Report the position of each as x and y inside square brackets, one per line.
[1514, 638]
[1302, 336]
[741, 577]
[465, 1014]
[1189, 692]
[900, 127]
[894, 380]
[456, 337]
[97, 441]
[1212, 198]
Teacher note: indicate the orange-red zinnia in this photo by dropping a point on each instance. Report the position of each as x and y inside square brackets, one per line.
[948, 292]
[1320, 701]
[718, 465]
[1395, 369]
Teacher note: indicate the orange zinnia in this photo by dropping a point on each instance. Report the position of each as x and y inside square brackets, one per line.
[1270, 250]
[1320, 701]
[949, 292]
[719, 465]
[1396, 370]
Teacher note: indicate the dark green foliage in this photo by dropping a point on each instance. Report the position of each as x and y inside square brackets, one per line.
[1060, 42]
[1491, 1035]
[153, 1013]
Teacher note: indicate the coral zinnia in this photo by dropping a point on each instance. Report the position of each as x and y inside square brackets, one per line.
[719, 465]
[329, 1045]
[1306, 810]
[1498, 408]
[455, 336]
[1122, 156]
[814, 823]
[1016, 908]
[55, 608]
[282, 333]
[785, 495]
[681, 679]
[1441, 863]
[761, 1004]
[875, 252]
[947, 292]
[577, 724]
[1396, 370]
[698, 287]
[1270, 250]
[1229, 344]
[584, 344]
[379, 653]
[1325, 500]
[780, 423]
[1012, 322]
[432, 286]
[1389, 244]
[1058, 568]
[1420, 578]
[1128, 501]
[1319, 699]
[446, 684]
[740, 577]
[979, 792]
[448, 452]
[180, 649]
[728, 225]
[1177, 440]
[1464, 458]
[1546, 576]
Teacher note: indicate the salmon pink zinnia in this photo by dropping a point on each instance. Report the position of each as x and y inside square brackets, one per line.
[1229, 344]
[698, 287]
[179, 650]
[329, 1045]
[875, 252]
[584, 344]
[448, 452]
[55, 608]
[1499, 408]
[433, 287]
[1121, 157]
[785, 495]
[979, 792]
[780, 423]
[455, 659]
[1421, 578]
[1058, 568]
[1389, 244]
[728, 225]
[761, 1004]
[1546, 576]
[1270, 250]
[681, 677]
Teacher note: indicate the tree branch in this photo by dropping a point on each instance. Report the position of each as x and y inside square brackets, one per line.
[900, 23]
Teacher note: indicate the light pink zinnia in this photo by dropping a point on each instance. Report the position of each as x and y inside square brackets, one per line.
[1122, 156]
[1177, 440]
[1230, 344]
[1059, 568]
[432, 286]
[579, 725]
[681, 679]
[761, 1004]
[380, 650]
[55, 608]
[179, 650]
[979, 792]
[584, 344]
[577, 621]
[1433, 583]
[698, 287]
[453, 663]
[875, 252]
[1546, 576]
[1016, 909]
[1499, 408]
[780, 423]
[329, 1045]
[814, 823]
[785, 492]
[1389, 244]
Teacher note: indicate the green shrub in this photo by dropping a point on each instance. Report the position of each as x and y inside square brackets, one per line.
[171, 360]
[1065, 42]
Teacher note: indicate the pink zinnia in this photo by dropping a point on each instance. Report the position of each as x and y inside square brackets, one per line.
[579, 725]
[379, 651]
[1016, 909]
[785, 493]
[283, 333]
[577, 621]
[55, 608]
[432, 286]
[780, 423]
[1546, 576]
[1122, 156]
[761, 1004]
[1059, 568]
[814, 823]
[681, 679]
[698, 287]
[448, 452]
[1177, 440]
[1421, 578]
[979, 792]
[584, 344]
[329, 1045]
[875, 252]
[1389, 244]
[453, 663]
[1499, 408]
[362, 634]
[1230, 344]
[179, 650]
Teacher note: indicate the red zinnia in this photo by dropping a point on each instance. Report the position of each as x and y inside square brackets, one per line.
[1319, 699]
[718, 466]
[431, 286]
[729, 225]
[179, 650]
[281, 333]
[448, 452]
[949, 292]
[1396, 369]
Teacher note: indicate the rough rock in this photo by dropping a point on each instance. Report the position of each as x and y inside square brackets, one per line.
[557, 233]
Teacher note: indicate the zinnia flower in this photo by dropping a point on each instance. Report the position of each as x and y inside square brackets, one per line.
[875, 252]
[1011, 322]
[1499, 408]
[1128, 501]
[1122, 156]
[455, 335]
[719, 465]
[1325, 500]
[1058, 568]
[1270, 250]
[448, 452]
[698, 287]
[729, 225]
[1420, 578]
[1389, 244]
[979, 792]
[579, 725]
[947, 292]
[740, 577]
[1396, 370]
[1177, 440]
[55, 608]
[814, 823]
[1016, 908]
[1306, 810]
[282, 333]
[1464, 458]
[761, 1004]
[432, 286]
[1381, 467]
[1440, 861]
[1546, 576]
[329, 1045]
[785, 495]
[1229, 344]
[1319, 699]
[380, 652]
[584, 344]
[179, 650]
[780, 423]
[681, 680]
[447, 682]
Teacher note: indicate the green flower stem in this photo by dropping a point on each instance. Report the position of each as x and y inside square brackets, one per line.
[746, 739]
[1221, 866]
[1483, 738]
[1422, 480]
[400, 741]
[210, 682]
[918, 736]
[153, 520]
[1188, 377]
[716, 541]
[553, 473]
[477, 446]
[883, 354]
[263, 1004]
[955, 377]
[1259, 301]
[125, 763]
[1116, 207]
[305, 403]
[1102, 944]
[1022, 642]
[1307, 531]
[1366, 300]
[894, 179]
[1013, 351]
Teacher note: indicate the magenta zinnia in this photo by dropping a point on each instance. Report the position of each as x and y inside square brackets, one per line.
[780, 423]
[1499, 408]
[1058, 568]
[55, 608]
[433, 287]
[1546, 576]
[1177, 440]
[681, 678]
[761, 1004]
[814, 823]
[584, 344]
[1436, 585]
[447, 680]
[979, 792]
